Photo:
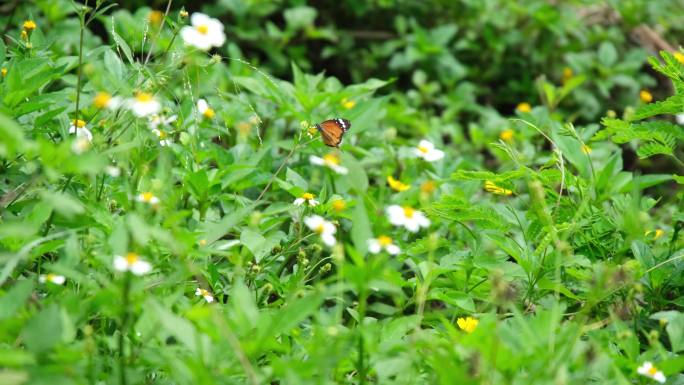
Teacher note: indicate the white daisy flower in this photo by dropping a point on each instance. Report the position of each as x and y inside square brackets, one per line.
[649, 370]
[204, 293]
[144, 104]
[306, 198]
[52, 278]
[408, 217]
[205, 110]
[78, 127]
[147, 197]
[376, 245]
[131, 262]
[113, 171]
[331, 161]
[323, 228]
[205, 32]
[680, 119]
[163, 137]
[428, 152]
[105, 100]
[157, 120]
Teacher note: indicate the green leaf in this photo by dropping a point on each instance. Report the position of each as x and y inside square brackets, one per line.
[177, 326]
[607, 54]
[12, 135]
[15, 298]
[44, 330]
[361, 230]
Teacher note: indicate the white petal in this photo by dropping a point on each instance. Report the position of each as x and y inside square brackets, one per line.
[374, 246]
[202, 106]
[192, 37]
[299, 201]
[42, 278]
[396, 215]
[329, 228]
[393, 249]
[58, 279]
[316, 160]
[140, 267]
[411, 225]
[339, 169]
[426, 145]
[209, 298]
[313, 221]
[199, 18]
[328, 239]
[198, 291]
[680, 118]
[313, 202]
[420, 219]
[660, 377]
[434, 155]
[120, 263]
[644, 368]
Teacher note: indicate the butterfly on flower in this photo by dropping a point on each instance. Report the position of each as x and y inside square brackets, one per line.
[332, 131]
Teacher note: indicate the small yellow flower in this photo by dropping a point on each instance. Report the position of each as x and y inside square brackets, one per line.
[156, 17]
[205, 110]
[567, 74]
[24, 35]
[339, 205]
[467, 324]
[658, 233]
[645, 96]
[493, 188]
[29, 25]
[585, 149]
[506, 135]
[348, 104]
[3, 71]
[183, 14]
[147, 197]
[524, 107]
[679, 56]
[428, 187]
[78, 123]
[311, 131]
[306, 198]
[202, 242]
[397, 185]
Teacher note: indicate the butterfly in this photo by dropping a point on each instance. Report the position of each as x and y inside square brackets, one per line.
[332, 131]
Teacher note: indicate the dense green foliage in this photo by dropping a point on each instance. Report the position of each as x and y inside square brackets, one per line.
[156, 200]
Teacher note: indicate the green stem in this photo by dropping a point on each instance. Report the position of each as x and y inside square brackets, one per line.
[362, 314]
[124, 328]
[80, 60]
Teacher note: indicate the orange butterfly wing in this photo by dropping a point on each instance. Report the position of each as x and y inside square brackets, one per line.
[332, 131]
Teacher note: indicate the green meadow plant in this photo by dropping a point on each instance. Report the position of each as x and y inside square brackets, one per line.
[169, 213]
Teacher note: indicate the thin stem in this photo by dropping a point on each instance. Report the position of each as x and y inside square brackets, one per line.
[80, 60]
[161, 27]
[124, 328]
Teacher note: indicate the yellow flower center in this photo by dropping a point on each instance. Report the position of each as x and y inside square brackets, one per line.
[506, 135]
[586, 149]
[467, 324]
[524, 107]
[131, 258]
[203, 29]
[679, 56]
[209, 113]
[204, 292]
[423, 149]
[384, 240]
[4, 72]
[652, 371]
[102, 99]
[348, 104]
[338, 205]
[156, 17]
[24, 35]
[331, 159]
[147, 196]
[162, 134]
[78, 123]
[29, 25]
[143, 97]
[319, 229]
[307, 196]
[408, 212]
[428, 187]
[50, 277]
[645, 96]
[658, 233]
